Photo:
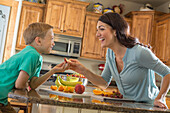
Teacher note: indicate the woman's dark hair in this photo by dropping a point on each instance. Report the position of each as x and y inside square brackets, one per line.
[121, 26]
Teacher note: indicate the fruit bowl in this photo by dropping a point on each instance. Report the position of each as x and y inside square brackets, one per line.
[71, 80]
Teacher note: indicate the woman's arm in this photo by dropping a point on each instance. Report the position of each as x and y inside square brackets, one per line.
[97, 80]
[165, 85]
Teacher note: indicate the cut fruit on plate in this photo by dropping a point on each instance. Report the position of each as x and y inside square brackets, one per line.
[98, 92]
[53, 87]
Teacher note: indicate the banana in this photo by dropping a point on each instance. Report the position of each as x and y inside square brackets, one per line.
[68, 83]
[57, 82]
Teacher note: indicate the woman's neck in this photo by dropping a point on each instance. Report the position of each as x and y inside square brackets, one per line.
[119, 50]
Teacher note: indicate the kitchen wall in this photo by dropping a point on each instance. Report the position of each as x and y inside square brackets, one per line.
[164, 7]
[129, 6]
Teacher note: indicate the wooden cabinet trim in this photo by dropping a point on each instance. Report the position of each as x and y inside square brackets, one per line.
[33, 4]
[11, 26]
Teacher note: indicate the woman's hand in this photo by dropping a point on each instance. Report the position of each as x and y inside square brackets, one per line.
[159, 103]
[75, 65]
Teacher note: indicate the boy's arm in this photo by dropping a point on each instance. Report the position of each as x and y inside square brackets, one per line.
[37, 81]
[21, 82]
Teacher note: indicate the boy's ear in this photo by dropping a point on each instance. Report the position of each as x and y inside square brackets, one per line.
[38, 40]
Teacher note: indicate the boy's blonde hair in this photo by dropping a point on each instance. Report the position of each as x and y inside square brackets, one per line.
[34, 30]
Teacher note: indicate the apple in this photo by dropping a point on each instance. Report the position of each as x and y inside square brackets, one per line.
[79, 89]
[66, 60]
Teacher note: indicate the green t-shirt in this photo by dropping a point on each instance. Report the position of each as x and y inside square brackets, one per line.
[28, 60]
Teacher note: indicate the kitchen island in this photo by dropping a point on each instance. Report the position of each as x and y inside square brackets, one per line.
[49, 103]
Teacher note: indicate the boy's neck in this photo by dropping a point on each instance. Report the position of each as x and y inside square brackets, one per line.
[35, 48]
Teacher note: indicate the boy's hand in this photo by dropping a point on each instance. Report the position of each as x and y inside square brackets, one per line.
[59, 67]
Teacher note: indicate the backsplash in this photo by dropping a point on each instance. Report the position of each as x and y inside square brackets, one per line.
[88, 63]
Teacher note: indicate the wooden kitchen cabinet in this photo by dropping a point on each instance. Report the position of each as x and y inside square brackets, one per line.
[162, 40]
[13, 4]
[30, 12]
[168, 102]
[66, 16]
[143, 25]
[91, 47]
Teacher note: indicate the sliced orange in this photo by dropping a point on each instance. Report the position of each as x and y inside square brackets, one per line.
[107, 93]
[61, 88]
[97, 91]
[66, 89]
[53, 87]
[52, 95]
[71, 90]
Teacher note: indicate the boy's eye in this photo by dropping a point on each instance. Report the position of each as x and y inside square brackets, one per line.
[102, 29]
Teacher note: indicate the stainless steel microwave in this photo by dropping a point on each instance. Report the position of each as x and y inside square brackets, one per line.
[66, 46]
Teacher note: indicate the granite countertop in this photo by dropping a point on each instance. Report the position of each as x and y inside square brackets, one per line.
[41, 97]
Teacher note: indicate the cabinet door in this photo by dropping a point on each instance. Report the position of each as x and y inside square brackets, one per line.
[168, 102]
[142, 28]
[55, 16]
[91, 45]
[129, 21]
[29, 14]
[163, 41]
[74, 22]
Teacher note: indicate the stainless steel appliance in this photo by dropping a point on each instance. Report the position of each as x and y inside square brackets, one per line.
[4, 17]
[66, 46]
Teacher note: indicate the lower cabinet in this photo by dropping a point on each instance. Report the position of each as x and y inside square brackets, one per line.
[44, 108]
[168, 102]
[21, 107]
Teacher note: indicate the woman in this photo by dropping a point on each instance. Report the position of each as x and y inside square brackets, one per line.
[131, 64]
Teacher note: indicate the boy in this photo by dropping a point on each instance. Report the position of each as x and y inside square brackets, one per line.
[26, 64]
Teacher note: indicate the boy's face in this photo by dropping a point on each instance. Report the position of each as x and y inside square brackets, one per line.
[47, 42]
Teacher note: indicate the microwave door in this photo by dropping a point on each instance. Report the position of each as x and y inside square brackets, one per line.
[62, 47]
[69, 51]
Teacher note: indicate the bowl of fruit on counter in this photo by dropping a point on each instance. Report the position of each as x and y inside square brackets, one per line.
[71, 80]
[70, 83]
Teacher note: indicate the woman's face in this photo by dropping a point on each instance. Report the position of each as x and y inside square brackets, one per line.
[105, 34]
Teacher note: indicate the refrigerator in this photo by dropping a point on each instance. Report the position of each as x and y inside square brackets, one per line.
[4, 18]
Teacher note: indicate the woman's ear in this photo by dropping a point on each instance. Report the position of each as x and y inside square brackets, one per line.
[114, 33]
[38, 41]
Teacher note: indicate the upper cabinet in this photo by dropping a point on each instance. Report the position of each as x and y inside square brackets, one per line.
[91, 47]
[162, 40]
[143, 25]
[31, 12]
[66, 16]
[13, 4]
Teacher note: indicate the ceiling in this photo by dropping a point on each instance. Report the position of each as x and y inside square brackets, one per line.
[154, 3]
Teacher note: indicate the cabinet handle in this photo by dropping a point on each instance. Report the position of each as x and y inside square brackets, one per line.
[164, 61]
[64, 30]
